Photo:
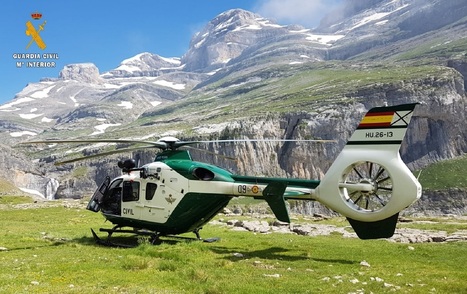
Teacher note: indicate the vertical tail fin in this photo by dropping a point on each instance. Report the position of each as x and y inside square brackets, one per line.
[368, 182]
[384, 126]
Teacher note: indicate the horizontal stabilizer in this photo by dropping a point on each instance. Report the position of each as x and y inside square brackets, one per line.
[274, 196]
[374, 230]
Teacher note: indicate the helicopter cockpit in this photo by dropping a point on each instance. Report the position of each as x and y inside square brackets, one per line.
[112, 199]
[118, 196]
[107, 197]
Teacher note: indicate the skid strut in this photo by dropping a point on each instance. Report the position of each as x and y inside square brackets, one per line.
[154, 237]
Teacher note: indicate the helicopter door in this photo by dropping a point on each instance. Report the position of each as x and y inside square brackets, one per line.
[112, 199]
[154, 204]
[130, 199]
[96, 199]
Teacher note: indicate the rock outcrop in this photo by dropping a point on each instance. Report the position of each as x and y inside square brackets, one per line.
[81, 72]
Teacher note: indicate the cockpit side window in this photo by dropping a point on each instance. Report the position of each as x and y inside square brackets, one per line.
[130, 191]
[111, 191]
[150, 190]
[112, 186]
[115, 183]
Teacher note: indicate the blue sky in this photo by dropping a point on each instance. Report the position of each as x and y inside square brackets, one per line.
[107, 32]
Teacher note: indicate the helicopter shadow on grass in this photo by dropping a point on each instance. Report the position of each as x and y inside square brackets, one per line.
[49, 242]
[32, 247]
[129, 241]
[272, 253]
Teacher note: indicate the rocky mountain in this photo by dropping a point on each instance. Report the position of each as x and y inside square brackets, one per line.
[245, 76]
[372, 23]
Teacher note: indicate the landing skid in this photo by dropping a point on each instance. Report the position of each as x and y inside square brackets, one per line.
[154, 237]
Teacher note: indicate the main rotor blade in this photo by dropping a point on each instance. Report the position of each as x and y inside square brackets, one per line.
[265, 140]
[103, 154]
[154, 143]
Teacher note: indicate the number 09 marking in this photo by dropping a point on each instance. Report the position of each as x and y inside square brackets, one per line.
[242, 189]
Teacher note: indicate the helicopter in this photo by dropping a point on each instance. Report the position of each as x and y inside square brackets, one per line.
[368, 183]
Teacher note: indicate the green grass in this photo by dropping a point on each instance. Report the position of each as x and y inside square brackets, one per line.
[441, 48]
[80, 172]
[13, 200]
[445, 174]
[450, 226]
[7, 188]
[50, 250]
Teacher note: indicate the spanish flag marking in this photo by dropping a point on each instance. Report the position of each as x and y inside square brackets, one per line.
[377, 119]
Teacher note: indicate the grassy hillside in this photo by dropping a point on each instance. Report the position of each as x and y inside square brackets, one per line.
[7, 188]
[445, 174]
[283, 88]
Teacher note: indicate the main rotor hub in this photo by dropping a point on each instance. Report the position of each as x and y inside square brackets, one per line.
[168, 139]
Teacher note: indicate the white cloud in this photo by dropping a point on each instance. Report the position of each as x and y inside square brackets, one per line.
[304, 12]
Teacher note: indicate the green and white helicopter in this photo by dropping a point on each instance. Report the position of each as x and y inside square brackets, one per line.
[368, 183]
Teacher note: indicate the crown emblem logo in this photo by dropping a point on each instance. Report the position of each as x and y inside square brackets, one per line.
[33, 32]
[36, 15]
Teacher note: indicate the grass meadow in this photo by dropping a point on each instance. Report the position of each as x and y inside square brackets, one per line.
[50, 249]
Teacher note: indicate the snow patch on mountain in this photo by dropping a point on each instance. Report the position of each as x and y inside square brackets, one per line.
[44, 93]
[144, 62]
[46, 119]
[267, 23]
[370, 18]
[30, 115]
[128, 68]
[169, 84]
[248, 27]
[30, 93]
[140, 59]
[100, 129]
[325, 39]
[378, 15]
[126, 104]
[72, 97]
[33, 87]
[15, 102]
[261, 23]
[380, 23]
[22, 133]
